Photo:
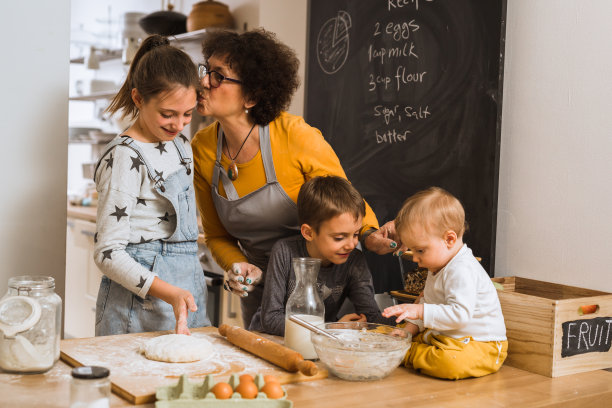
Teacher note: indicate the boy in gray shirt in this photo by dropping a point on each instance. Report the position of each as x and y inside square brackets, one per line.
[330, 210]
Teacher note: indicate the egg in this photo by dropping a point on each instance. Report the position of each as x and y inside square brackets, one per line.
[247, 389]
[246, 378]
[222, 390]
[273, 390]
[270, 378]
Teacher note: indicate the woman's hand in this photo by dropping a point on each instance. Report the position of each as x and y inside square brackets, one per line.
[353, 317]
[181, 300]
[242, 278]
[405, 311]
[383, 240]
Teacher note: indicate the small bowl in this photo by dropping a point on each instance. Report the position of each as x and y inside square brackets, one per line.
[365, 351]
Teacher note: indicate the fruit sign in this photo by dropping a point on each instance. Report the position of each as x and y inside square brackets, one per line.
[586, 336]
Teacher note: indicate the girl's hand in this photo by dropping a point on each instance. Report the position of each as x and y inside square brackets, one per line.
[405, 311]
[242, 278]
[353, 317]
[181, 300]
[383, 240]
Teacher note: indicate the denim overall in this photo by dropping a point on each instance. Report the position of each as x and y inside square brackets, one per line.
[173, 259]
[258, 219]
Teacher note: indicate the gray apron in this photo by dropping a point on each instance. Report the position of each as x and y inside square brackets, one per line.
[258, 219]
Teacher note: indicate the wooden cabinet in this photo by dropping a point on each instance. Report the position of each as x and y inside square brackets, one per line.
[82, 279]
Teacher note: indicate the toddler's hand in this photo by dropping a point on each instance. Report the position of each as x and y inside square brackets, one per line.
[405, 311]
[242, 278]
[411, 328]
[353, 317]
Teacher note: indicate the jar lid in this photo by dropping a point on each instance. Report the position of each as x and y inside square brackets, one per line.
[26, 283]
[90, 372]
[18, 314]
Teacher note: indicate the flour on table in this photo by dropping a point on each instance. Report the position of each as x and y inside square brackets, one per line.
[177, 348]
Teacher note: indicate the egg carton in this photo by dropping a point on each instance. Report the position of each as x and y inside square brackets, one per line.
[186, 394]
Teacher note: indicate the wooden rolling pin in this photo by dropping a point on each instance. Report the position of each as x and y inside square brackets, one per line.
[268, 350]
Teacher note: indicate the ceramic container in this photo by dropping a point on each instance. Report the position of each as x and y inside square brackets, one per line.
[207, 14]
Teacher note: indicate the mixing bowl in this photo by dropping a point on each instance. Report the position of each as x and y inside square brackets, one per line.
[363, 351]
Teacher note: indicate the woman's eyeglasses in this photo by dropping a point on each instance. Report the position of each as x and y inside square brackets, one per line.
[215, 78]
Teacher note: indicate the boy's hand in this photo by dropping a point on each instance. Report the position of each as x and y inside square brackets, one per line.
[405, 311]
[353, 317]
[242, 278]
[383, 240]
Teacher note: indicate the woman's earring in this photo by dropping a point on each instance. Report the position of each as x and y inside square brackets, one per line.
[246, 111]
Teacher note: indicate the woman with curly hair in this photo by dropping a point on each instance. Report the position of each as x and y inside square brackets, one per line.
[251, 162]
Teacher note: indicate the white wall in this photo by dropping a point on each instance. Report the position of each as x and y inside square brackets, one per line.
[288, 20]
[34, 111]
[555, 197]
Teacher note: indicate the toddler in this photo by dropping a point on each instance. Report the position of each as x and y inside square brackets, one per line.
[459, 321]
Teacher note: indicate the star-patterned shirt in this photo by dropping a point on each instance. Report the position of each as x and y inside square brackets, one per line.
[131, 211]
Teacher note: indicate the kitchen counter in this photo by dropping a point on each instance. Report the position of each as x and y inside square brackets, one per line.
[404, 387]
[82, 213]
[89, 214]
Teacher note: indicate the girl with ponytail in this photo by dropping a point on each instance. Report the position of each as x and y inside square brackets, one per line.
[146, 239]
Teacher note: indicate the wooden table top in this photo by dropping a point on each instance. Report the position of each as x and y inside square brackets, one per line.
[510, 387]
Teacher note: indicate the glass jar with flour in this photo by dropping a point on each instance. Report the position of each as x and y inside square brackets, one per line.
[30, 322]
[306, 304]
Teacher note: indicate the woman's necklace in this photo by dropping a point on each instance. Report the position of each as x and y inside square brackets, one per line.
[232, 169]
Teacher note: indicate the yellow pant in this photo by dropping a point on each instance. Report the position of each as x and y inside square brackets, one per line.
[444, 357]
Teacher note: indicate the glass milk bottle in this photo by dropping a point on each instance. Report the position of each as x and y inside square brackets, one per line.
[306, 304]
[30, 322]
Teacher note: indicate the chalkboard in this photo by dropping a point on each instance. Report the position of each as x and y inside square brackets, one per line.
[408, 93]
[586, 336]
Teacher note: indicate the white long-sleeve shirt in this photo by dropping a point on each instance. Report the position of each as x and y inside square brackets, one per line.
[460, 300]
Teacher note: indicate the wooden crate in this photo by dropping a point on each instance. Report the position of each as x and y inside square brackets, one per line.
[550, 330]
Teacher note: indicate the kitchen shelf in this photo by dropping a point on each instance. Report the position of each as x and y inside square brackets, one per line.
[190, 36]
[105, 54]
[94, 96]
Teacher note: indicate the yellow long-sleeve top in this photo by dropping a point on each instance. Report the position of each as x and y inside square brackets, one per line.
[299, 152]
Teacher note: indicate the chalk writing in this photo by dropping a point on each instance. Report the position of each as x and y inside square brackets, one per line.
[333, 42]
[401, 78]
[407, 50]
[397, 31]
[398, 4]
[392, 136]
[391, 112]
[586, 336]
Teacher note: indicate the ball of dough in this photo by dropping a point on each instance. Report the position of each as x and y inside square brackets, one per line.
[177, 348]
